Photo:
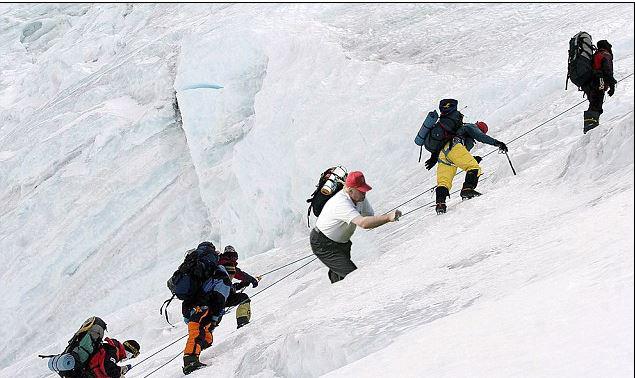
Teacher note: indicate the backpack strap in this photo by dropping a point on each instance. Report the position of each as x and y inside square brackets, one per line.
[166, 304]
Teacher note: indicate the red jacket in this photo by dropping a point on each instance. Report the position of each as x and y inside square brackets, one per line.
[232, 265]
[103, 364]
[603, 66]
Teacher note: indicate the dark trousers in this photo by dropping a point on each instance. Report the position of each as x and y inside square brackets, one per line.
[595, 97]
[336, 256]
[234, 299]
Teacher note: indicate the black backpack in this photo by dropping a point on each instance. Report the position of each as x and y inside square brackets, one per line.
[443, 131]
[336, 177]
[81, 347]
[186, 282]
[580, 69]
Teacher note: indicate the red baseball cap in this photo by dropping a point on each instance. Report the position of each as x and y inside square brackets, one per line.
[356, 180]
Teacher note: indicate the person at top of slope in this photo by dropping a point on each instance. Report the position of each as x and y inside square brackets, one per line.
[347, 209]
[455, 154]
[601, 81]
[229, 259]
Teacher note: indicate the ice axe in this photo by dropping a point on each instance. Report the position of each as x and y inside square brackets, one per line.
[510, 162]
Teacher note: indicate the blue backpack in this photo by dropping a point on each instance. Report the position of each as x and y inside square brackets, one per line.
[427, 125]
[437, 131]
[186, 282]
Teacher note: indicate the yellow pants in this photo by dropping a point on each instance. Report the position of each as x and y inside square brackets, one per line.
[452, 158]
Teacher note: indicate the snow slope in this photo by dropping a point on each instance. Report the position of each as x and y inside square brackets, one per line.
[128, 133]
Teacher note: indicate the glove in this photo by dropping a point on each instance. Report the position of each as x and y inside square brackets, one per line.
[398, 215]
[501, 146]
[478, 159]
[125, 369]
[611, 91]
[253, 281]
[432, 161]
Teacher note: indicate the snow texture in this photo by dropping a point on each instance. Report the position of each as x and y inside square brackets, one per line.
[131, 132]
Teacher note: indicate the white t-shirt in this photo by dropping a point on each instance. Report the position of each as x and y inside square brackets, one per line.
[336, 216]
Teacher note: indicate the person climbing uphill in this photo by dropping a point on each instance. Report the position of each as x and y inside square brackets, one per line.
[229, 259]
[455, 154]
[347, 209]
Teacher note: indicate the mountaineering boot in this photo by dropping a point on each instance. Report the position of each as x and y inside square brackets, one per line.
[241, 321]
[471, 181]
[442, 192]
[191, 363]
[243, 314]
[591, 120]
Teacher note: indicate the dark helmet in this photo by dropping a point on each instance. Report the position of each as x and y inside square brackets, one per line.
[207, 246]
[604, 45]
[132, 346]
[230, 253]
[448, 105]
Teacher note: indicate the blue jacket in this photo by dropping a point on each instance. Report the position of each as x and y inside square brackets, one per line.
[470, 132]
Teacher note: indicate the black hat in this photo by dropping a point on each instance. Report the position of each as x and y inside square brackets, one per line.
[604, 44]
[132, 346]
[207, 246]
[230, 253]
[448, 105]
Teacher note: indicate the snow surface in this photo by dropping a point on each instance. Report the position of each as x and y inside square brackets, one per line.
[104, 185]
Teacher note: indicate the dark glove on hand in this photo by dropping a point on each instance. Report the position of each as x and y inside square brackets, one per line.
[501, 146]
[214, 321]
[611, 91]
[478, 159]
[253, 281]
[125, 369]
[432, 161]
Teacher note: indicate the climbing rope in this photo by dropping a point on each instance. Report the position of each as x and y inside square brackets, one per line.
[434, 202]
[162, 365]
[159, 351]
[286, 265]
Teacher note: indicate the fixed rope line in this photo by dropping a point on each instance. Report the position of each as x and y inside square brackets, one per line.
[431, 202]
[159, 351]
[162, 365]
[511, 141]
[410, 200]
[285, 276]
[286, 265]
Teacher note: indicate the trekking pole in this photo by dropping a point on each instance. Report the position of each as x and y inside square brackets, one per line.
[510, 163]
